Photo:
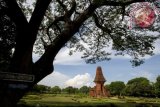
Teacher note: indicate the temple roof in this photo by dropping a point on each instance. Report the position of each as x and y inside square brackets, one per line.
[99, 75]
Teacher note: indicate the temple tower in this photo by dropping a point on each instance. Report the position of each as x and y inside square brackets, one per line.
[99, 90]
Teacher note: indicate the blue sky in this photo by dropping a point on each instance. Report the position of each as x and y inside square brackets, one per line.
[73, 71]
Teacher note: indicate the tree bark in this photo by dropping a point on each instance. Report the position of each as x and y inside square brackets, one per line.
[11, 91]
[10, 94]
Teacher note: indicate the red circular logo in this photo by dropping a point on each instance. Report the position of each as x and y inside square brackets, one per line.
[143, 14]
[144, 17]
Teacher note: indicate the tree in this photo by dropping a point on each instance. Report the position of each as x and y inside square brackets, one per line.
[157, 86]
[84, 90]
[7, 41]
[70, 90]
[116, 88]
[139, 87]
[40, 89]
[56, 90]
[55, 24]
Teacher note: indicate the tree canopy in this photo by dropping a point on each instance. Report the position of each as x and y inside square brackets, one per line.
[116, 88]
[7, 38]
[84, 89]
[157, 86]
[56, 90]
[139, 87]
[100, 25]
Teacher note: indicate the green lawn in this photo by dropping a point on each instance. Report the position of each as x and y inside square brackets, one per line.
[51, 100]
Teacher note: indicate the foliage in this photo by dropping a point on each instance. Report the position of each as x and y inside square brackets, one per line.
[41, 89]
[7, 38]
[70, 90]
[56, 90]
[157, 86]
[116, 88]
[105, 28]
[139, 87]
[84, 89]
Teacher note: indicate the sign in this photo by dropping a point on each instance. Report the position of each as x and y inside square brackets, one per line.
[16, 77]
[144, 17]
[144, 14]
[18, 86]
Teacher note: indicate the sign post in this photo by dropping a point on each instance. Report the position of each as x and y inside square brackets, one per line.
[8, 76]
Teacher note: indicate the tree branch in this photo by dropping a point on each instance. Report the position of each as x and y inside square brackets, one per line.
[105, 29]
[62, 5]
[71, 27]
[123, 12]
[16, 14]
[55, 24]
[114, 3]
[73, 8]
[37, 17]
[44, 43]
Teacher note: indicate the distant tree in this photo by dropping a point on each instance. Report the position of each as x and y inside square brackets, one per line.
[157, 86]
[56, 90]
[153, 92]
[116, 88]
[107, 86]
[139, 87]
[40, 89]
[70, 90]
[84, 89]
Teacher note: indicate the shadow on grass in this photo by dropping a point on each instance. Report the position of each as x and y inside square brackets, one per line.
[90, 105]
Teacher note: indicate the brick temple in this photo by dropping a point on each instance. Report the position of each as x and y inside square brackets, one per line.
[99, 90]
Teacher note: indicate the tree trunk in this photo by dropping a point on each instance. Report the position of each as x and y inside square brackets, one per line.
[14, 85]
[13, 89]
[11, 92]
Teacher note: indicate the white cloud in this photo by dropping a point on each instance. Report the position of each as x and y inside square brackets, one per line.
[157, 47]
[80, 80]
[63, 58]
[156, 51]
[55, 79]
[62, 80]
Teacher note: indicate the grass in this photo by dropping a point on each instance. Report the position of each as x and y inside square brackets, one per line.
[62, 100]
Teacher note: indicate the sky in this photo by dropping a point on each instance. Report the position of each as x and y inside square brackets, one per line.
[73, 71]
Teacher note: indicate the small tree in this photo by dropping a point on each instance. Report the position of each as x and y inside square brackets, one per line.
[70, 90]
[84, 90]
[40, 89]
[116, 88]
[56, 90]
[157, 86]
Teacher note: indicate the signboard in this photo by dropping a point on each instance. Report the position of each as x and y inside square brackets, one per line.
[18, 86]
[16, 77]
